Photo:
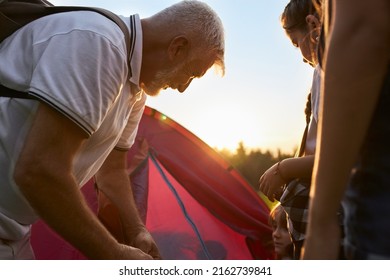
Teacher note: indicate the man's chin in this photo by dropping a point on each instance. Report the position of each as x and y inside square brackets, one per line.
[152, 92]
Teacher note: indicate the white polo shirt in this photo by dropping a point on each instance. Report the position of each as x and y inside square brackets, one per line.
[76, 62]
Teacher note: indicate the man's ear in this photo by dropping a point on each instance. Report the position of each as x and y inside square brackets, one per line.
[179, 47]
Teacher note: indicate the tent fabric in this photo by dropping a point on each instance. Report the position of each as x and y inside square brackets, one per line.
[201, 235]
[192, 201]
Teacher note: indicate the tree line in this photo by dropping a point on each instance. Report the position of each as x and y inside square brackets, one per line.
[252, 163]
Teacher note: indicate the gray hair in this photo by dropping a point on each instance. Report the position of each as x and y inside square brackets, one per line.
[198, 20]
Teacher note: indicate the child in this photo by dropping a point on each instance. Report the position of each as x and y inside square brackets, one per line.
[280, 235]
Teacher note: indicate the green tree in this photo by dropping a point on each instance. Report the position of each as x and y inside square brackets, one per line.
[252, 163]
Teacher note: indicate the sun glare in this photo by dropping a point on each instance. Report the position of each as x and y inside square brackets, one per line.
[226, 128]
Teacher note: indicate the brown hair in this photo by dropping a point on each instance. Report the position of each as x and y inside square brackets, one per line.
[277, 210]
[296, 11]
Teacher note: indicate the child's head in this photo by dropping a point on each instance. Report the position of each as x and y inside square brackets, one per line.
[280, 235]
[302, 23]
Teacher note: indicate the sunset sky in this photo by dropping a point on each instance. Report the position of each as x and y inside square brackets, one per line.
[260, 100]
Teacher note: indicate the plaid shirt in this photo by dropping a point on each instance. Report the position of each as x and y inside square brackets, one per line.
[295, 201]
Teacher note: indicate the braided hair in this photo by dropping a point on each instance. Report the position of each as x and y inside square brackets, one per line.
[308, 109]
[308, 112]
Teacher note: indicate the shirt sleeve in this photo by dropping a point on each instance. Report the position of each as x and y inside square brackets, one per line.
[80, 74]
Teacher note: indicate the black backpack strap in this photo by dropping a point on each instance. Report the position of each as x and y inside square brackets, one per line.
[128, 38]
[131, 43]
[11, 93]
[108, 14]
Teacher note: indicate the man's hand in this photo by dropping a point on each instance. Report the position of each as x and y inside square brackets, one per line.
[130, 253]
[144, 241]
[114, 182]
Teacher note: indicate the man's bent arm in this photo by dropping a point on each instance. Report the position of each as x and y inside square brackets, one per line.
[44, 175]
[114, 181]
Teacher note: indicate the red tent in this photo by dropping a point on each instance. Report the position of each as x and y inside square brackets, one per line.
[194, 203]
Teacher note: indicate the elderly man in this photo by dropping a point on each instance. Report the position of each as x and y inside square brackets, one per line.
[84, 116]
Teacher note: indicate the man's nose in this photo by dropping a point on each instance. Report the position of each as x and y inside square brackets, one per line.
[183, 87]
